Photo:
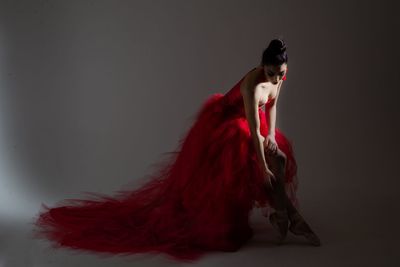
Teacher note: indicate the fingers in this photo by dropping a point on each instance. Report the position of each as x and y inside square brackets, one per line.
[269, 184]
[270, 177]
[272, 150]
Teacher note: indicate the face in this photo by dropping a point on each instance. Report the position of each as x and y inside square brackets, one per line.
[274, 73]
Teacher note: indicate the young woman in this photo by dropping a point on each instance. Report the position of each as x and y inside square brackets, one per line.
[231, 160]
[259, 87]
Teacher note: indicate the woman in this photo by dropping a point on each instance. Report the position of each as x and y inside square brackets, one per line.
[199, 199]
[255, 94]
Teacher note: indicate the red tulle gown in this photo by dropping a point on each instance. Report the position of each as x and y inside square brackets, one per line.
[197, 200]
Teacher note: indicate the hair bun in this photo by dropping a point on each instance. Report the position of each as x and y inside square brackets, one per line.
[277, 46]
[275, 53]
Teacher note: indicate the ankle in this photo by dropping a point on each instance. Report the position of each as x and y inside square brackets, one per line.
[295, 216]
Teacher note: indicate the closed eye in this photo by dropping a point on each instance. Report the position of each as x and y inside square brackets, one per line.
[272, 74]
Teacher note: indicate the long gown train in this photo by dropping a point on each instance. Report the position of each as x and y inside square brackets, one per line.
[196, 200]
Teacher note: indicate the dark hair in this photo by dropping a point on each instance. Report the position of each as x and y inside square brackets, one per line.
[275, 53]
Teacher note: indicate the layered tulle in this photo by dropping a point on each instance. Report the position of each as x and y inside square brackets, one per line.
[197, 199]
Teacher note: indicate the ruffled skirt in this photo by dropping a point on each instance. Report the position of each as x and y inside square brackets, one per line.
[196, 200]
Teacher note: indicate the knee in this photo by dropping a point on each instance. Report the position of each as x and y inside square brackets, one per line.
[277, 160]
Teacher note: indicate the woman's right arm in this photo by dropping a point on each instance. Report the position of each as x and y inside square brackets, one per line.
[251, 98]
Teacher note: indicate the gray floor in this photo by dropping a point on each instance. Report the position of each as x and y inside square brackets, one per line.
[351, 237]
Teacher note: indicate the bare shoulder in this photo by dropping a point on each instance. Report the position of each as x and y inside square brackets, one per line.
[249, 82]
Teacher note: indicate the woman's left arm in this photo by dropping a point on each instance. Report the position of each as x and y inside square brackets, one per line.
[269, 141]
[272, 120]
[272, 113]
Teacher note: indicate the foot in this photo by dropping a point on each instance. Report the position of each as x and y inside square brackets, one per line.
[280, 221]
[298, 226]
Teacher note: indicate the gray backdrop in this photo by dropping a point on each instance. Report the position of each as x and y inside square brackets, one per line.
[93, 92]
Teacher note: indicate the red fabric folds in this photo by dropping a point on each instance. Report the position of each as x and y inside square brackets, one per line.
[196, 200]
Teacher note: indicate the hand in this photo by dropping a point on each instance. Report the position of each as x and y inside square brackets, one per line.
[270, 144]
[269, 176]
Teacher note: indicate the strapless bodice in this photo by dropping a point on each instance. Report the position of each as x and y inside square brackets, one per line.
[233, 99]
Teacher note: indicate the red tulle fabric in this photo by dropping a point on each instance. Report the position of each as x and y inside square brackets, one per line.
[197, 200]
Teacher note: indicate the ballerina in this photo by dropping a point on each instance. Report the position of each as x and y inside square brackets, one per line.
[231, 160]
[255, 94]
